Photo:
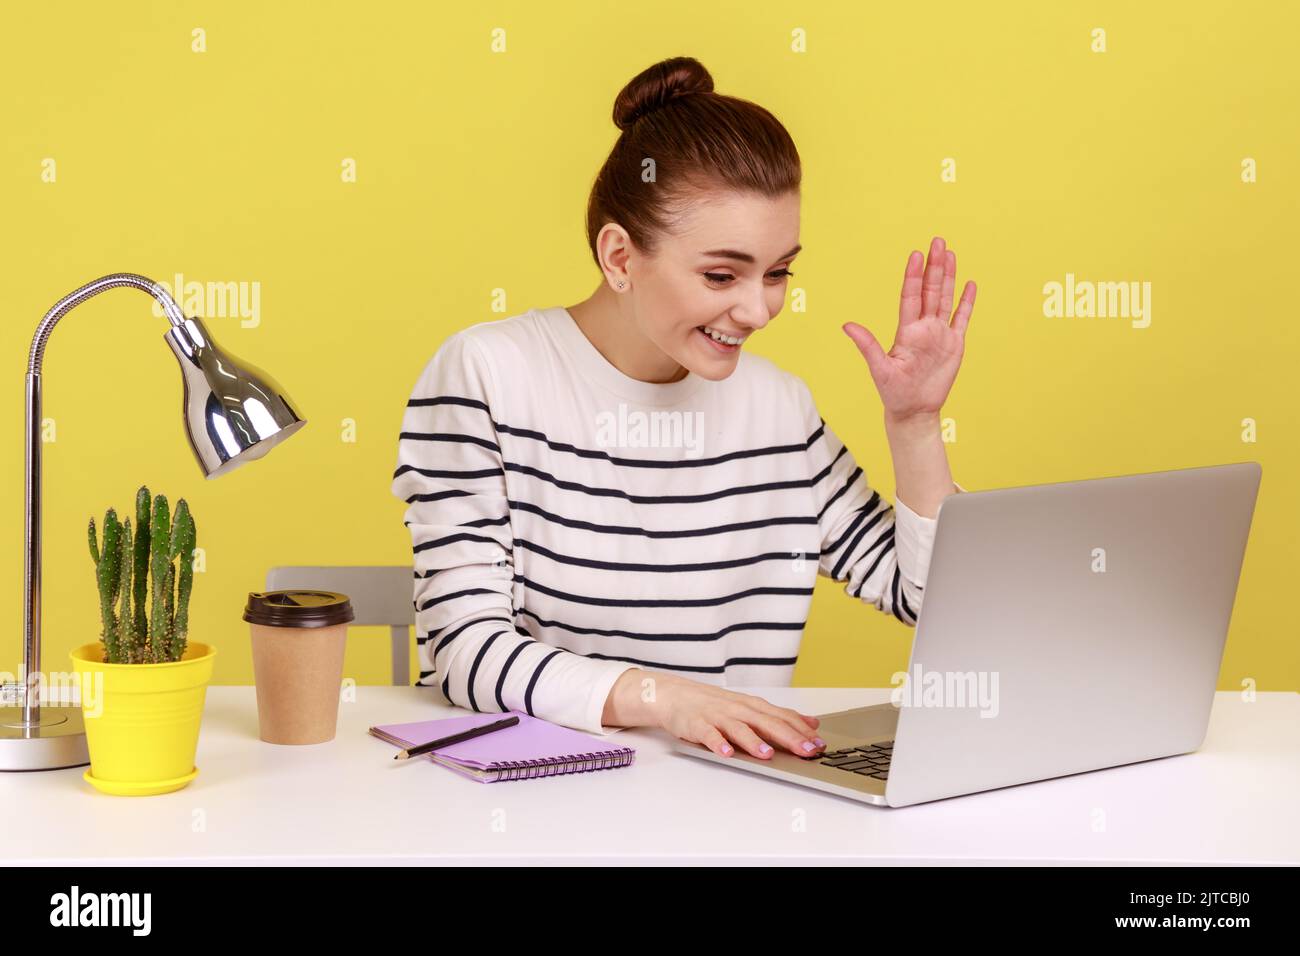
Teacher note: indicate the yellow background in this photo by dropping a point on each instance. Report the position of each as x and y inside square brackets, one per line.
[473, 168]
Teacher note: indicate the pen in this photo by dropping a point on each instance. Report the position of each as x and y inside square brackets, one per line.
[456, 738]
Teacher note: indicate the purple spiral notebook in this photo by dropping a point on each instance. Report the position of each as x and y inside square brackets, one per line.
[531, 748]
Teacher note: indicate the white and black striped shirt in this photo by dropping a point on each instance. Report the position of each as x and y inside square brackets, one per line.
[569, 521]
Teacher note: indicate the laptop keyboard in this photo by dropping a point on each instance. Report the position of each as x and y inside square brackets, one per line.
[870, 760]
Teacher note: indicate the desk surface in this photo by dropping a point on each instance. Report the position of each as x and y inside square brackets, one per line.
[349, 802]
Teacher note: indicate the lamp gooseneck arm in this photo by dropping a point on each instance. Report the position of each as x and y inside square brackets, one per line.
[87, 291]
[32, 572]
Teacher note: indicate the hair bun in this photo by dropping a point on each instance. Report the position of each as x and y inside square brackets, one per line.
[655, 86]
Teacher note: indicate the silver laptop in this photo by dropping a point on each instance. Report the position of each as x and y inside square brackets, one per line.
[1066, 627]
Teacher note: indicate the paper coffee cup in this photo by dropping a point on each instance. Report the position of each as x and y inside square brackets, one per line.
[298, 641]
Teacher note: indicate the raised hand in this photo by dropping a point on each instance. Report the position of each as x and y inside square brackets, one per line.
[915, 376]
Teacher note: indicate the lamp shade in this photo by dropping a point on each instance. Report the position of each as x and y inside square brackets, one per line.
[234, 412]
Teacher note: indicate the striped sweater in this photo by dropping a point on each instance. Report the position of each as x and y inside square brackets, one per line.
[568, 522]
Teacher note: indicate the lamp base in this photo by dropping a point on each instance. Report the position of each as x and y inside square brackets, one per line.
[57, 742]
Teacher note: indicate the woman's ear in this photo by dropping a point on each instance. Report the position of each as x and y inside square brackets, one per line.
[614, 247]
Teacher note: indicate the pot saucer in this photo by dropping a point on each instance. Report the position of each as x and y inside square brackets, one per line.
[139, 788]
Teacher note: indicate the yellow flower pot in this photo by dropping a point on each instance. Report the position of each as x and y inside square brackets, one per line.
[142, 720]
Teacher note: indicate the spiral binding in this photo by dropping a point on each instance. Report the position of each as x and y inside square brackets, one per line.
[570, 763]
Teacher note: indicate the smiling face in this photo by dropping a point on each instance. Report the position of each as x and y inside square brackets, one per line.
[724, 269]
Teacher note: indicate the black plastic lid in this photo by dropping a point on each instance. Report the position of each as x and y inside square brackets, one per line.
[298, 608]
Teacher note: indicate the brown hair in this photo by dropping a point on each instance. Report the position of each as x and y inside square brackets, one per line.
[699, 140]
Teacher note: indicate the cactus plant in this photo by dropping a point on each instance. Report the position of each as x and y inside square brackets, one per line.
[106, 575]
[158, 565]
[140, 558]
[122, 635]
[123, 569]
[182, 547]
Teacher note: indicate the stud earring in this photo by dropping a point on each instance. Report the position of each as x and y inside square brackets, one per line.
[620, 285]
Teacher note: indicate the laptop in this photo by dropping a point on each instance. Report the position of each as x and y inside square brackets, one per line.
[1066, 627]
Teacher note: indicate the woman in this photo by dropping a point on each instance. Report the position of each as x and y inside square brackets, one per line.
[616, 511]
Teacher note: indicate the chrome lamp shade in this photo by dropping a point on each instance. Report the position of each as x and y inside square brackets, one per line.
[233, 412]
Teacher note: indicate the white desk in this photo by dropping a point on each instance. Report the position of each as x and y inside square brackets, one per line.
[349, 802]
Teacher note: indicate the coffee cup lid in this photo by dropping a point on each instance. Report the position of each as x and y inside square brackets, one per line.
[298, 608]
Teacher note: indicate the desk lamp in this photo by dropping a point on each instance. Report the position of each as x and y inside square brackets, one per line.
[233, 412]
